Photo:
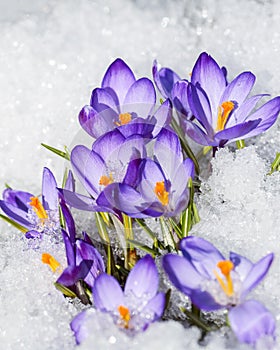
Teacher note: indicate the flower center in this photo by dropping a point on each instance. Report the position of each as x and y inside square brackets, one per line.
[124, 118]
[224, 111]
[51, 261]
[106, 180]
[161, 193]
[226, 267]
[125, 315]
[38, 208]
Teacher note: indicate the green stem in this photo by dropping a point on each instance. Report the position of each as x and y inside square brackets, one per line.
[275, 166]
[240, 144]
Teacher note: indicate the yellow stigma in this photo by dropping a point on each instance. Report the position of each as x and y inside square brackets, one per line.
[124, 118]
[38, 208]
[50, 260]
[125, 315]
[106, 180]
[226, 267]
[161, 193]
[223, 113]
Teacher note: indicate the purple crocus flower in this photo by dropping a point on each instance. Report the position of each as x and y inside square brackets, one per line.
[120, 100]
[133, 308]
[212, 282]
[162, 185]
[223, 112]
[108, 162]
[84, 261]
[36, 216]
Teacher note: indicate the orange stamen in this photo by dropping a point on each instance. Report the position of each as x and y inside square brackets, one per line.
[124, 118]
[106, 180]
[161, 193]
[125, 315]
[223, 113]
[226, 267]
[51, 261]
[38, 208]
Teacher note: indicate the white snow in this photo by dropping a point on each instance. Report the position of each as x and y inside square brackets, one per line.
[52, 54]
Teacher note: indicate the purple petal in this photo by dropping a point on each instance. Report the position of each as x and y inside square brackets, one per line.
[198, 135]
[69, 249]
[165, 79]
[250, 321]
[69, 221]
[103, 99]
[143, 279]
[241, 264]
[238, 131]
[238, 90]
[93, 122]
[180, 98]
[119, 77]
[200, 107]
[78, 326]
[268, 114]
[33, 234]
[202, 254]
[18, 199]
[257, 274]
[140, 98]
[89, 168]
[78, 201]
[156, 306]
[107, 144]
[181, 273]
[163, 116]
[86, 251]
[72, 274]
[242, 112]
[16, 214]
[210, 77]
[49, 191]
[70, 182]
[107, 293]
[204, 300]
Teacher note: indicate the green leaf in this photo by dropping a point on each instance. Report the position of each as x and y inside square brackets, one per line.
[143, 247]
[64, 290]
[62, 154]
[15, 224]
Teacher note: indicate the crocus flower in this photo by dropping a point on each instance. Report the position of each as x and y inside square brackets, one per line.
[162, 187]
[120, 100]
[37, 216]
[133, 308]
[107, 163]
[84, 261]
[213, 282]
[223, 112]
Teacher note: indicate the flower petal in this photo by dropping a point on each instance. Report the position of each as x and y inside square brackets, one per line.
[238, 131]
[180, 98]
[210, 77]
[16, 214]
[93, 122]
[202, 254]
[119, 77]
[181, 273]
[241, 264]
[107, 293]
[79, 327]
[89, 167]
[165, 78]
[143, 279]
[103, 99]
[18, 199]
[107, 144]
[257, 274]
[197, 134]
[156, 306]
[250, 321]
[163, 116]
[79, 201]
[238, 89]
[140, 98]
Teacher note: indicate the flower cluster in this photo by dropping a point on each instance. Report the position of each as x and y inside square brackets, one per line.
[140, 166]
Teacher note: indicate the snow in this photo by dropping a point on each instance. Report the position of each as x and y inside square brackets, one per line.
[52, 55]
